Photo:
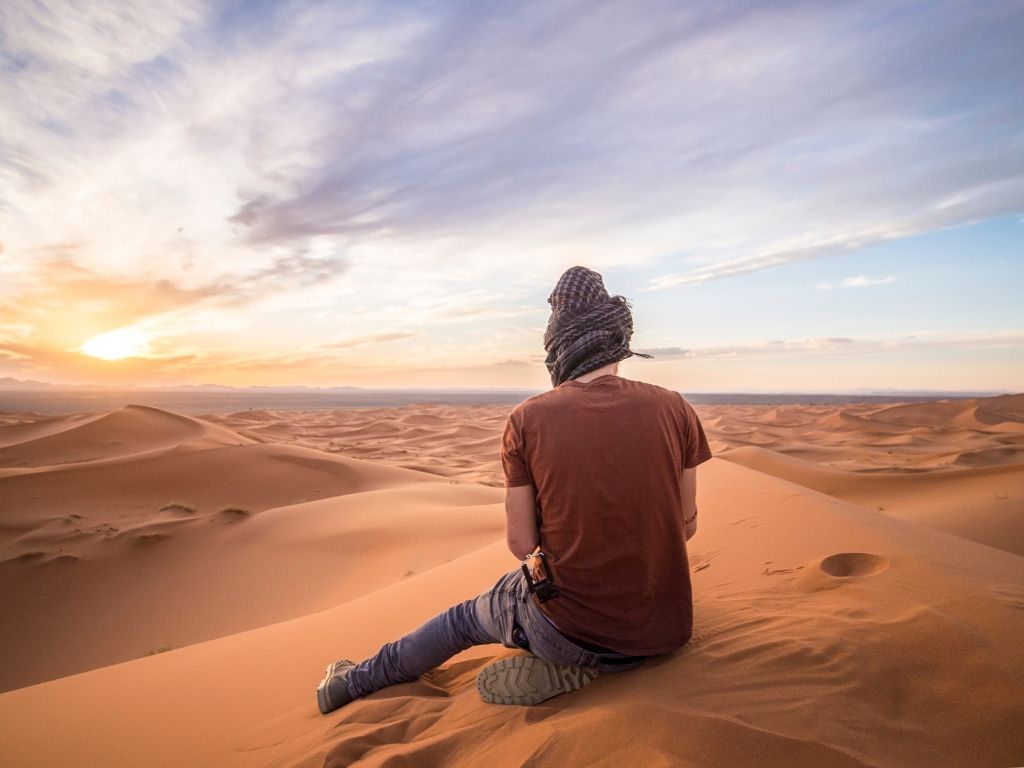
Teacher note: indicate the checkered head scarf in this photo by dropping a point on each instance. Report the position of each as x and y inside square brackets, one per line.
[588, 328]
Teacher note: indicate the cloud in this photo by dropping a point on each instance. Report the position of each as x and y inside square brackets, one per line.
[290, 272]
[699, 131]
[58, 290]
[373, 338]
[731, 161]
[517, 362]
[62, 364]
[741, 266]
[665, 351]
[860, 281]
[842, 345]
[388, 165]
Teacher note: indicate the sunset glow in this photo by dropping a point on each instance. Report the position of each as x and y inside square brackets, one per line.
[822, 197]
[117, 345]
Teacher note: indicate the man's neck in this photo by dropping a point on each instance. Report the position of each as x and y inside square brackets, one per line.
[606, 370]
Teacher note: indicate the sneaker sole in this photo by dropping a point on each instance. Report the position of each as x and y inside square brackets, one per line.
[527, 680]
[321, 691]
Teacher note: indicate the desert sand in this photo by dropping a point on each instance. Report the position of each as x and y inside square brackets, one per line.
[171, 588]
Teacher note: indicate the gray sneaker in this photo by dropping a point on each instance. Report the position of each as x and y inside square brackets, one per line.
[333, 689]
[528, 680]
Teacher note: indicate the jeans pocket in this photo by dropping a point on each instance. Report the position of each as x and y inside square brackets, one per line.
[501, 607]
[552, 645]
[546, 642]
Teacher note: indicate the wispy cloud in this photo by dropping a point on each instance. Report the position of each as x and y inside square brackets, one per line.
[698, 131]
[373, 338]
[859, 281]
[741, 266]
[314, 160]
[841, 345]
[59, 296]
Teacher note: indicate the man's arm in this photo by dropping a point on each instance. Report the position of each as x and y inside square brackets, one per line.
[521, 520]
[688, 483]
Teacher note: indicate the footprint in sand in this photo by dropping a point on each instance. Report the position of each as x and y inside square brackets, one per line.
[847, 564]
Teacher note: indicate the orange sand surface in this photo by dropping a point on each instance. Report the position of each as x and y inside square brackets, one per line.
[171, 589]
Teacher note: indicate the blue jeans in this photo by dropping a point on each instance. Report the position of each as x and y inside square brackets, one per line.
[505, 614]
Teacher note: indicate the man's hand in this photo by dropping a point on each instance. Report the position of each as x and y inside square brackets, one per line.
[688, 484]
[521, 520]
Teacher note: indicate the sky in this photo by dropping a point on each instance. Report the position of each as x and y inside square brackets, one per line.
[802, 197]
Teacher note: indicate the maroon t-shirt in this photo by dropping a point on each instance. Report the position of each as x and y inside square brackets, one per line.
[605, 458]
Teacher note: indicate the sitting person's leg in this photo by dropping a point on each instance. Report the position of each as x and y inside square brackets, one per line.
[423, 649]
[505, 614]
[488, 618]
[558, 664]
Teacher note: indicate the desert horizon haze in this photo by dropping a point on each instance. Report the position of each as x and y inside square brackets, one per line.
[383, 194]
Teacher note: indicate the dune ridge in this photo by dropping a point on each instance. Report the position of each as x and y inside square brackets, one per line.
[828, 631]
[259, 532]
[913, 664]
[131, 430]
[955, 465]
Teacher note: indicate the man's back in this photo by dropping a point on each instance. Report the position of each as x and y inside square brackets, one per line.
[605, 457]
[599, 471]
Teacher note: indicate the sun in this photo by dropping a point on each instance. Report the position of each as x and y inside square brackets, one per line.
[116, 345]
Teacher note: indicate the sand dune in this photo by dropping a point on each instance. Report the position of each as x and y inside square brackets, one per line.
[130, 430]
[892, 451]
[197, 539]
[955, 465]
[982, 504]
[839, 621]
[906, 436]
[450, 441]
[862, 641]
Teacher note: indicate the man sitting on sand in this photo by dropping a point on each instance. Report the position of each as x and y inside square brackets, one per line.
[600, 477]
